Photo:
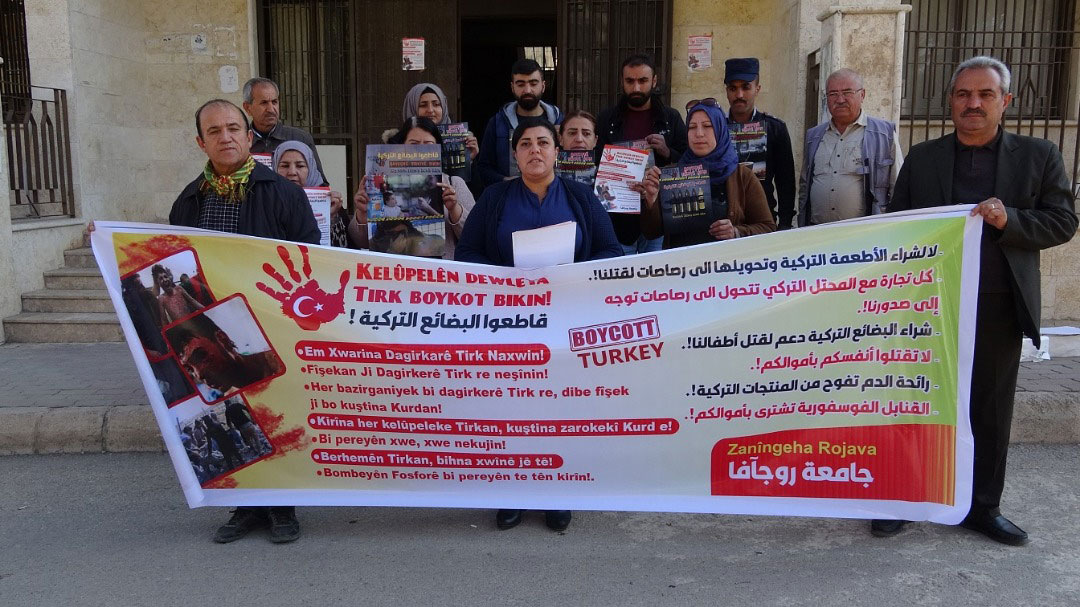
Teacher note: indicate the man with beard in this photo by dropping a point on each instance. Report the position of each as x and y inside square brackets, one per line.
[760, 139]
[495, 162]
[850, 162]
[641, 114]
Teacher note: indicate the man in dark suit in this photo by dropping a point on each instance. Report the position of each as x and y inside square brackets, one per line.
[1022, 194]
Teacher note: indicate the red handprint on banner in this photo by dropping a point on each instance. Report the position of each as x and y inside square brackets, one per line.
[305, 303]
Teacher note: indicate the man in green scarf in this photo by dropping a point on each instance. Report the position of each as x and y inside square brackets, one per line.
[236, 194]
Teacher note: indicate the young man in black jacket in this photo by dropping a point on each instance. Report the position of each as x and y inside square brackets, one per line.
[641, 114]
[761, 139]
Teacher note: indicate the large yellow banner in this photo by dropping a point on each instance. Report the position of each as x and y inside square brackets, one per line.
[816, 372]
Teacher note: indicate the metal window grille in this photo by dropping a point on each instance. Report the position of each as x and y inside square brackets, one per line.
[596, 35]
[1035, 38]
[15, 70]
[304, 47]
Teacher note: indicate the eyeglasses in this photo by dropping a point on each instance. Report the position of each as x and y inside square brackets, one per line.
[709, 101]
[847, 93]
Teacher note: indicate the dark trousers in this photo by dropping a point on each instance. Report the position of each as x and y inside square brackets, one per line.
[998, 339]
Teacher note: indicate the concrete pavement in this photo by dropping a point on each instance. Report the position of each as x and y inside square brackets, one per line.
[113, 530]
[87, 398]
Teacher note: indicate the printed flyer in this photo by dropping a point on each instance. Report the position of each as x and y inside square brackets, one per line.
[643, 145]
[405, 210]
[319, 197]
[267, 160]
[751, 144]
[619, 167]
[577, 165]
[686, 205]
[815, 372]
[455, 156]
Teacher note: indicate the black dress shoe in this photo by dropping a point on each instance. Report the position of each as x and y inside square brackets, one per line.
[996, 527]
[508, 519]
[557, 520]
[886, 528]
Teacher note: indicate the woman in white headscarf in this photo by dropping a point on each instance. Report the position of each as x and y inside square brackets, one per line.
[295, 161]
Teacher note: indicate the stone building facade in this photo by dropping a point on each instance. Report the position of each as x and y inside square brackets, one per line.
[134, 73]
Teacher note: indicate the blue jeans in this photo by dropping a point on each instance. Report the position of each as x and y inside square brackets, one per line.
[643, 245]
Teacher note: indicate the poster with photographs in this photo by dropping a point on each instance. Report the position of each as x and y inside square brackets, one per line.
[620, 168]
[156, 295]
[405, 209]
[751, 144]
[577, 165]
[220, 438]
[223, 350]
[686, 205]
[455, 156]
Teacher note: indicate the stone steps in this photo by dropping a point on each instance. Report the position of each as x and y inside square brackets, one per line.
[74, 306]
[67, 300]
[74, 278]
[63, 327]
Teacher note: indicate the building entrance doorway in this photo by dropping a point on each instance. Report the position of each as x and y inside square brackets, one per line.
[489, 47]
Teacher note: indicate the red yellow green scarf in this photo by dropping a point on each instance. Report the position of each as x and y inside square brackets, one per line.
[232, 188]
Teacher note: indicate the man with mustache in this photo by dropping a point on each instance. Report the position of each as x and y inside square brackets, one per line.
[760, 139]
[262, 103]
[238, 195]
[640, 114]
[1023, 196]
[850, 161]
[495, 162]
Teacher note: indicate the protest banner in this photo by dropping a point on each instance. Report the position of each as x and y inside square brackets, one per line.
[817, 372]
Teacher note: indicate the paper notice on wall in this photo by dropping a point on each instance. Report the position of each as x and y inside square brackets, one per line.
[412, 54]
[699, 53]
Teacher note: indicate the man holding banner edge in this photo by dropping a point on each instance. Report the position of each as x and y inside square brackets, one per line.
[1024, 199]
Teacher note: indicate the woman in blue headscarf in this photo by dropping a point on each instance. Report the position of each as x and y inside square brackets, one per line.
[737, 195]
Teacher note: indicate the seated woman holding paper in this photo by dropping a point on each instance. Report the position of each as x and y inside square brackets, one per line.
[295, 161]
[539, 198]
[738, 200]
[457, 200]
[427, 100]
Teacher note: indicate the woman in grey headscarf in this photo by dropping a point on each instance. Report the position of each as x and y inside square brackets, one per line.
[427, 100]
[295, 161]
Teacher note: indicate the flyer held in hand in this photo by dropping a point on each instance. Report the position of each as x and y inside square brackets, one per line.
[816, 372]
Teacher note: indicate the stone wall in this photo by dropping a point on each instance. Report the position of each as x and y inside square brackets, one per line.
[134, 72]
